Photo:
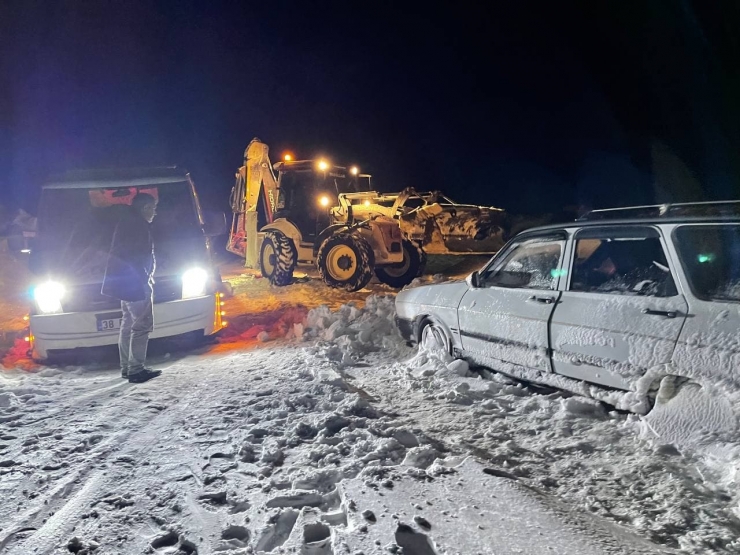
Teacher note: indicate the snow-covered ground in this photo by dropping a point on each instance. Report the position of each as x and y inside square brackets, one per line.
[316, 430]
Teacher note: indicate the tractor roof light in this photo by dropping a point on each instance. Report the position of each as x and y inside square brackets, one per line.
[323, 165]
[288, 157]
[324, 200]
[354, 170]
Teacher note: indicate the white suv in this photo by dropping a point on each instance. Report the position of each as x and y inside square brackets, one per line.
[622, 298]
[77, 215]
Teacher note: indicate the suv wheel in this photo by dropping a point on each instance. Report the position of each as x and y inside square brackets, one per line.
[346, 260]
[278, 258]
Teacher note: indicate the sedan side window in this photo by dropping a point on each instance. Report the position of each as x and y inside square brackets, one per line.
[633, 265]
[532, 264]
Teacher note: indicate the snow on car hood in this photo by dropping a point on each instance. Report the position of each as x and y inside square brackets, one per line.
[439, 294]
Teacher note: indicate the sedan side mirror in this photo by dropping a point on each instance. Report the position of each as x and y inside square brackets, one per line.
[473, 280]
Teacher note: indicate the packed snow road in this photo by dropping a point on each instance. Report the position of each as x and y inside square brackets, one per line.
[321, 432]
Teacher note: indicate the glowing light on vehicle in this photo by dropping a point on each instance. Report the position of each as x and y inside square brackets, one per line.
[288, 157]
[323, 165]
[48, 297]
[194, 283]
[354, 170]
[704, 258]
[367, 203]
[324, 200]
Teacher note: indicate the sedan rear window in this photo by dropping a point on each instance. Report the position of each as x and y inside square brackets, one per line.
[710, 255]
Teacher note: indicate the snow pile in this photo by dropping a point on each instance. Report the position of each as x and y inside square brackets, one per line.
[348, 334]
[570, 446]
[400, 449]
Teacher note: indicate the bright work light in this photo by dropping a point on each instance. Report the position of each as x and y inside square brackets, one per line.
[323, 165]
[194, 283]
[324, 200]
[354, 170]
[48, 297]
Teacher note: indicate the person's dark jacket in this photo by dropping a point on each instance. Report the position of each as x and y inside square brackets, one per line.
[128, 274]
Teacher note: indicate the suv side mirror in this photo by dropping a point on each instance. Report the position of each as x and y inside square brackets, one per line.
[473, 280]
[21, 243]
[214, 223]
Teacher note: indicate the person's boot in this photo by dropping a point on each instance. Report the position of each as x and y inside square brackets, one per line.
[143, 375]
[124, 373]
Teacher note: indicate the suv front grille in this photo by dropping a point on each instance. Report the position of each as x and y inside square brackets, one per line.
[87, 298]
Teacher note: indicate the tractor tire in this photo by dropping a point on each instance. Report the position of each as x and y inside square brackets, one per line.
[346, 261]
[403, 273]
[278, 258]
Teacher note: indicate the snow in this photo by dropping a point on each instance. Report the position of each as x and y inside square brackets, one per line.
[319, 431]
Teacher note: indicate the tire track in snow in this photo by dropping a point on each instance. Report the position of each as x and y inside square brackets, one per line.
[91, 475]
[61, 447]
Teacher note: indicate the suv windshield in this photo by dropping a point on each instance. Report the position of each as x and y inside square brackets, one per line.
[75, 226]
[710, 255]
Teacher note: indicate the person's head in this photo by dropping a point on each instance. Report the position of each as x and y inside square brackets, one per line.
[146, 205]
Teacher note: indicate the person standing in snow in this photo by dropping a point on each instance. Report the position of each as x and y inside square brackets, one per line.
[129, 278]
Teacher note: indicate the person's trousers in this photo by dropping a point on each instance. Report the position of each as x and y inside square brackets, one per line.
[136, 325]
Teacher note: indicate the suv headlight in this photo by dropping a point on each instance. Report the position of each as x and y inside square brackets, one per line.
[194, 283]
[48, 297]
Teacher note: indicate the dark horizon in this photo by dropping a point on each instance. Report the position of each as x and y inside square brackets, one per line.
[531, 107]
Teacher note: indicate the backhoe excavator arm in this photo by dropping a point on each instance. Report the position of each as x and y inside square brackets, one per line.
[255, 182]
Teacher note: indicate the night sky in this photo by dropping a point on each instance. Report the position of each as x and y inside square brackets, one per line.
[535, 107]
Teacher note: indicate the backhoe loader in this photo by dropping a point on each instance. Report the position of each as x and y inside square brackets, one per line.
[315, 212]
[281, 221]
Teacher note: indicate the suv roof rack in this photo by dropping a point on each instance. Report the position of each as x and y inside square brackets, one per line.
[678, 209]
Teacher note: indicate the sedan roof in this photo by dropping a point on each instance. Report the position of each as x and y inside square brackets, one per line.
[632, 222]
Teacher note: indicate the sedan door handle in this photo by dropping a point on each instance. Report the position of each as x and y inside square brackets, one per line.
[666, 313]
[543, 300]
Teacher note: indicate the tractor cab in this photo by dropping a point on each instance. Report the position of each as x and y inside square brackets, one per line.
[307, 189]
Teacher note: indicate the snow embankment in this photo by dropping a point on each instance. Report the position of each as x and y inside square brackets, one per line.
[608, 463]
[339, 439]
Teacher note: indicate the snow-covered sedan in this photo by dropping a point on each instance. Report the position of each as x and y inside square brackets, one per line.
[640, 302]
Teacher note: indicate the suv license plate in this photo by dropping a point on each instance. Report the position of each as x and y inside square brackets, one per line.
[109, 322]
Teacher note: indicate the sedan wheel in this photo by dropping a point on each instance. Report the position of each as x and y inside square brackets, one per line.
[688, 414]
[433, 339]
